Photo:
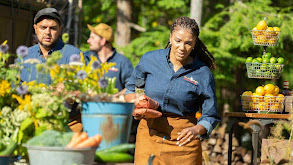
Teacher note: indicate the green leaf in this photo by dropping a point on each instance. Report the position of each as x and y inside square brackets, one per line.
[20, 136]
[41, 113]
[40, 130]
[26, 123]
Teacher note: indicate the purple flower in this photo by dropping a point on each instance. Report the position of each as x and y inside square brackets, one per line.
[74, 58]
[81, 74]
[67, 105]
[95, 65]
[4, 48]
[103, 83]
[22, 89]
[22, 51]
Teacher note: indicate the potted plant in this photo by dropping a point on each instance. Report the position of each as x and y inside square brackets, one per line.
[102, 112]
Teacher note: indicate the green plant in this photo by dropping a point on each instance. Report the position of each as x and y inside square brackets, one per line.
[30, 108]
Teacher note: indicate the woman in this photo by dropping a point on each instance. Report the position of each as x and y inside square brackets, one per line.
[180, 80]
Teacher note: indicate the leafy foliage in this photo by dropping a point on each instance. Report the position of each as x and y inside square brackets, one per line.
[227, 34]
[148, 41]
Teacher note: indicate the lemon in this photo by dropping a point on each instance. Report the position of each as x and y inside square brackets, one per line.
[280, 98]
[262, 25]
[276, 91]
[256, 33]
[261, 106]
[260, 90]
[269, 99]
[276, 107]
[269, 88]
[269, 32]
[257, 98]
[272, 41]
[261, 39]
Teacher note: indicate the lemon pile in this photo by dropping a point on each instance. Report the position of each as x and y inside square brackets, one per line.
[265, 34]
[265, 98]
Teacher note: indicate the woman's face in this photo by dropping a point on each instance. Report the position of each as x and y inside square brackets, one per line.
[182, 42]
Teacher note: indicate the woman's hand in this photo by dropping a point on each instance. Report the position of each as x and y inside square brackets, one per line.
[145, 107]
[146, 113]
[130, 98]
[189, 134]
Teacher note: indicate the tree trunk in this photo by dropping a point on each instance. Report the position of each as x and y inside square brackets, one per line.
[196, 10]
[68, 25]
[77, 25]
[123, 30]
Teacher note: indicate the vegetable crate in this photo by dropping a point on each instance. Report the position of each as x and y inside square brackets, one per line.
[264, 70]
[262, 103]
[265, 38]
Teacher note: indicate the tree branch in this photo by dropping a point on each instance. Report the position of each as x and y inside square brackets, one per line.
[137, 27]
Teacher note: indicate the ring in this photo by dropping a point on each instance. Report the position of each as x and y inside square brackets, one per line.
[188, 139]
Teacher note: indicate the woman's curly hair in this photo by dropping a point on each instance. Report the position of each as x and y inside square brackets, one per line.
[200, 50]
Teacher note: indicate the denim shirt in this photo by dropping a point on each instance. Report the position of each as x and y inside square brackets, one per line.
[29, 72]
[182, 92]
[122, 70]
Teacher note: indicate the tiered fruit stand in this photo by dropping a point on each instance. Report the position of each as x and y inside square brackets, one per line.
[263, 71]
[261, 104]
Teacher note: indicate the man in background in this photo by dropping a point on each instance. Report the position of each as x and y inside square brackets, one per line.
[48, 27]
[100, 42]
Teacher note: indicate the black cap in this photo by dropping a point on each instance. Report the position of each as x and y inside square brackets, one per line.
[51, 12]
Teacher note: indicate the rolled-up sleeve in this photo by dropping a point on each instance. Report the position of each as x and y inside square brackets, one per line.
[210, 116]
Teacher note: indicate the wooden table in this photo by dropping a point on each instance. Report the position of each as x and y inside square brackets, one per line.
[235, 117]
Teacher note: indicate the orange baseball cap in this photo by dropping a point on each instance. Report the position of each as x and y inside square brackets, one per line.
[103, 30]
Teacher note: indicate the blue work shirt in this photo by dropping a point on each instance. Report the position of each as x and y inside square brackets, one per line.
[122, 70]
[29, 72]
[182, 92]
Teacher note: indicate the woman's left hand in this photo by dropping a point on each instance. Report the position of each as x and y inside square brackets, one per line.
[189, 134]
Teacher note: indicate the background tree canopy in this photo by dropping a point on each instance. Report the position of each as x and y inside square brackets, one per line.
[225, 31]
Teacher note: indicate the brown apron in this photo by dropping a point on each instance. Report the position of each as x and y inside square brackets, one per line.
[149, 141]
[75, 125]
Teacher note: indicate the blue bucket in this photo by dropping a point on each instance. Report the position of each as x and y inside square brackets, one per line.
[7, 160]
[111, 120]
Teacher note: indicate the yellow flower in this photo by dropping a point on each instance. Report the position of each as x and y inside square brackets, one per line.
[42, 85]
[5, 42]
[36, 123]
[88, 68]
[55, 71]
[31, 83]
[4, 87]
[81, 57]
[23, 102]
[155, 24]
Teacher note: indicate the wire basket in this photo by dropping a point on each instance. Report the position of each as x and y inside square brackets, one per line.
[265, 38]
[262, 103]
[264, 70]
